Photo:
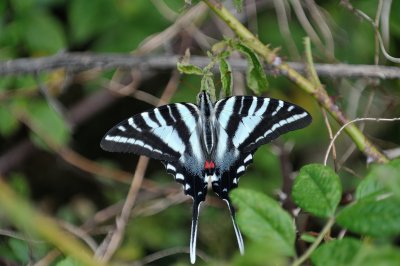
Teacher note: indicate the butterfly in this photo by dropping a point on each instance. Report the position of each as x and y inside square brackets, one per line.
[206, 141]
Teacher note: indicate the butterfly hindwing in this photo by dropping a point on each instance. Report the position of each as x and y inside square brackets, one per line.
[196, 187]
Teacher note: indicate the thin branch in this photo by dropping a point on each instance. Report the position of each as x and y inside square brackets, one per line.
[79, 233]
[84, 61]
[15, 235]
[351, 122]
[314, 245]
[168, 252]
[364, 16]
[113, 240]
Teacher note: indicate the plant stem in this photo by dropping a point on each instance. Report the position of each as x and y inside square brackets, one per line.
[318, 92]
[317, 241]
[24, 216]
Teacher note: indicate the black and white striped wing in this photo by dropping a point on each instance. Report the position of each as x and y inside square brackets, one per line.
[245, 123]
[168, 133]
[161, 133]
[253, 121]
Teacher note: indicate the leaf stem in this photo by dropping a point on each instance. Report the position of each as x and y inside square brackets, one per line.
[317, 241]
[317, 92]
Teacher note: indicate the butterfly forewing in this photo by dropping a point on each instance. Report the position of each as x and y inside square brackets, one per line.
[253, 121]
[161, 133]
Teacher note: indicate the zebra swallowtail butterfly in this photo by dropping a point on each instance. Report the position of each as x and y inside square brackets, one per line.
[206, 141]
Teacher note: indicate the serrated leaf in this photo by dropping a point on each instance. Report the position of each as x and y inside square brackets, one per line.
[226, 77]
[255, 75]
[336, 252]
[381, 179]
[373, 216]
[350, 251]
[317, 190]
[189, 69]
[263, 219]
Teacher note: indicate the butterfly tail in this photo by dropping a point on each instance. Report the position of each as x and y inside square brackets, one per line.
[193, 233]
[235, 226]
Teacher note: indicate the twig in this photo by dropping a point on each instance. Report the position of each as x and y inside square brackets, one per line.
[315, 244]
[282, 19]
[80, 233]
[353, 121]
[168, 252]
[313, 76]
[12, 234]
[84, 61]
[319, 93]
[113, 240]
[305, 23]
[364, 16]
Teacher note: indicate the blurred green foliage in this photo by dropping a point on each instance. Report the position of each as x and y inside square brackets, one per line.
[33, 28]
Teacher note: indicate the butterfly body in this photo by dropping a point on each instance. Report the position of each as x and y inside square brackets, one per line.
[207, 141]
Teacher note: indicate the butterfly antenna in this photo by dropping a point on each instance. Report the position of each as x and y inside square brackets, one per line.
[193, 233]
[237, 231]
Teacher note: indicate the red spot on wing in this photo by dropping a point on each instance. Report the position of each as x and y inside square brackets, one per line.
[208, 165]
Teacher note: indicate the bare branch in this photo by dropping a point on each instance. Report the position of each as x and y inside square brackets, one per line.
[83, 61]
[353, 121]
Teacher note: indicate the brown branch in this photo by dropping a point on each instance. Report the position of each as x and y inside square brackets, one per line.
[84, 61]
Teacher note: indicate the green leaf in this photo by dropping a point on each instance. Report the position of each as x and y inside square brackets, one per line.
[42, 33]
[189, 69]
[89, 18]
[336, 252]
[374, 216]
[263, 219]
[257, 255]
[350, 251]
[8, 123]
[226, 77]
[68, 262]
[385, 256]
[381, 179]
[317, 190]
[45, 120]
[255, 75]
[20, 249]
[20, 184]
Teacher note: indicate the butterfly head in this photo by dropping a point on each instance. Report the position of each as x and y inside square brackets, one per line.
[204, 102]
